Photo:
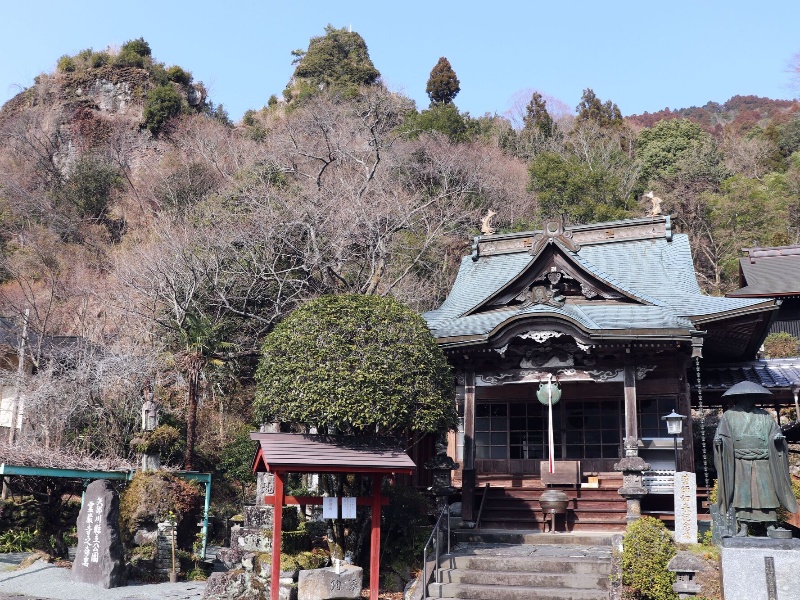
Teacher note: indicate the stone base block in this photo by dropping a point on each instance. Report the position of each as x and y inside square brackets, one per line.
[760, 568]
[250, 539]
[258, 517]
[326, 584]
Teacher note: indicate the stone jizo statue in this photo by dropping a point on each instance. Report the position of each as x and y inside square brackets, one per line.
[150, 410]
[751, 458]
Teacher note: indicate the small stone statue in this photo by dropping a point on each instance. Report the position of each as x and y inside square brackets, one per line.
[751, 458]
[150, 409]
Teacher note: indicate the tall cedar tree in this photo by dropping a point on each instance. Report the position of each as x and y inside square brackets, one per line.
[443, 85]
[591, 108]
[537, 120]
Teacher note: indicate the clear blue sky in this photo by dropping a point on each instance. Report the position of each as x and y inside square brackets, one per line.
[644, 56]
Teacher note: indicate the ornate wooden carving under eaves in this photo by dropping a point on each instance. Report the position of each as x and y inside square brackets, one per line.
[544, 349]
[554, 287]
[539, 336]
[643, 370]
[562, 375]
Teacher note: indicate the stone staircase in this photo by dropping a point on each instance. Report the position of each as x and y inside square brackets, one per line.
[598, 509]
[543, 567]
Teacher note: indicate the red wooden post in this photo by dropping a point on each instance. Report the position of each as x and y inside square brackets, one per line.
[375, 542]
[277, 522]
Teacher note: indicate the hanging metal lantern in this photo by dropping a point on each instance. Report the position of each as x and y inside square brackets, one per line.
[548, 392]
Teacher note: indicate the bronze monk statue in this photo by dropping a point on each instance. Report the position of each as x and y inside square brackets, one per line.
[751, 458]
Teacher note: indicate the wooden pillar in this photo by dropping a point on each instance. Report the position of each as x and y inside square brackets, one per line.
[277, 522]
[468, 470]
[631, 417]
[375, 540]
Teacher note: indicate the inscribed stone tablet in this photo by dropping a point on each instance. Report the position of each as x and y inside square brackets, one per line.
[98, 557]
[326, 584]
[685, 497]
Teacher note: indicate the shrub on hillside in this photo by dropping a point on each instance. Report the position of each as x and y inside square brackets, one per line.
[65, 64]
[178, 75]
[134, 53]
[137, 46]
[99, 59]
[162, 103]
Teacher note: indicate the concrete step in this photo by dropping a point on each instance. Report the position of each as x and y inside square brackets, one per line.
[522, 565]
[561, 579]
[529, 564]
[534, 536]
[501, 592]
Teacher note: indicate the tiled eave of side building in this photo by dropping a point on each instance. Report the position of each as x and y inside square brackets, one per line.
[641, 263]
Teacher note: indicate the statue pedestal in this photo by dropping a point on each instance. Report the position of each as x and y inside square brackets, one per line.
[760, 568]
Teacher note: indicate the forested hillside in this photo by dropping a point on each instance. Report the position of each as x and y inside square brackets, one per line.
[168, 240]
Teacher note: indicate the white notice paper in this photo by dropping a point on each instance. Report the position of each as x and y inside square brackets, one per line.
[348, 508]
[330, 508]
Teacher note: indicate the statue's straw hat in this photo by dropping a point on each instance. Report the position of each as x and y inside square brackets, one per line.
[747, 388]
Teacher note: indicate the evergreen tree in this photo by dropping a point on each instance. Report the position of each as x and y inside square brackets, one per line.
[338, 59]
[356, 364]
[537, 121]
[443, 118]
[591, 108]
[443, 85]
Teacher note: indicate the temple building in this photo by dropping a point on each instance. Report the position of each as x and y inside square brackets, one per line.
[613, 315]
[773, 273]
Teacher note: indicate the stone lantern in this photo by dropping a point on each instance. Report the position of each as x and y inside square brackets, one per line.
[442, 466]
[686, 566]
[632, 467]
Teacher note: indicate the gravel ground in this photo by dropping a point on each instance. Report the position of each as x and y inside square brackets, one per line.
[44, 581]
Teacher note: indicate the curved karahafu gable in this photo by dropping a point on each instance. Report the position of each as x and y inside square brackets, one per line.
[631, 279]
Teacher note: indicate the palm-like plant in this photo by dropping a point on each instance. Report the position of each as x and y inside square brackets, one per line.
[203, 343]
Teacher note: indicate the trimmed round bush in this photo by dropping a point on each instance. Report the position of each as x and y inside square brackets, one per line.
[647, 548]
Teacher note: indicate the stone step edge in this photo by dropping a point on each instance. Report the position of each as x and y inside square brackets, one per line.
[589, 560]
[530, 538]
[470, 591]
[518, 574]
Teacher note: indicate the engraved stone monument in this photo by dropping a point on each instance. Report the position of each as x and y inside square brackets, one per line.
[99, 556]
[685, 497]
[326, 584]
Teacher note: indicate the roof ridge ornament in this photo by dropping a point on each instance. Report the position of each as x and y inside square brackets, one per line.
[554, 231]
[486, 223]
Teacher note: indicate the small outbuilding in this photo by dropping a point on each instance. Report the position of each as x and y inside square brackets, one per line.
[284, 453]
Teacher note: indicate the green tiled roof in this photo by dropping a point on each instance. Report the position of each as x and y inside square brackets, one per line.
[655, 274]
